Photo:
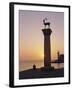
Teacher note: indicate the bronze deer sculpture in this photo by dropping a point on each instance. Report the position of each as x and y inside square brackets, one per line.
[46, 23]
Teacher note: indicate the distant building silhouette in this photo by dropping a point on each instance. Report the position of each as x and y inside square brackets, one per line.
[60, 57]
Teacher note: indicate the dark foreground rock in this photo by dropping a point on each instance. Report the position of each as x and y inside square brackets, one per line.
[38, 73]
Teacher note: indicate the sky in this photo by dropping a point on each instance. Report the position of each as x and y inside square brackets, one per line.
[31, 38]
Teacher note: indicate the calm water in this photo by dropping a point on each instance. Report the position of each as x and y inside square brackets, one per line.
[24, 65]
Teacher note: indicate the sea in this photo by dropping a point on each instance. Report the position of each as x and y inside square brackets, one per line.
[25, 65]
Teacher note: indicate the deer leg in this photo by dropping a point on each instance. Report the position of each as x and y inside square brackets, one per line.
[45, 26]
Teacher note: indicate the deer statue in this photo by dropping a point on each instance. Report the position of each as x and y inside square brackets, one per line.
[46, 23]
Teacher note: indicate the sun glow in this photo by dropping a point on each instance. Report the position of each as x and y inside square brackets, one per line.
[40, 54]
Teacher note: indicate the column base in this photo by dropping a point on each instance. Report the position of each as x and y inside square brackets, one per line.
[47, 68]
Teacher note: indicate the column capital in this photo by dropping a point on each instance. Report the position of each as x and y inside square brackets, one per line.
[47, 31]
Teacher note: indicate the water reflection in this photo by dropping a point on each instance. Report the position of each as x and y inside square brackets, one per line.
[57, 65]
[25, 65]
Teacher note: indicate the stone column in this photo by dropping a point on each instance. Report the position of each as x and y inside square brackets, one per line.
[47, 47]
